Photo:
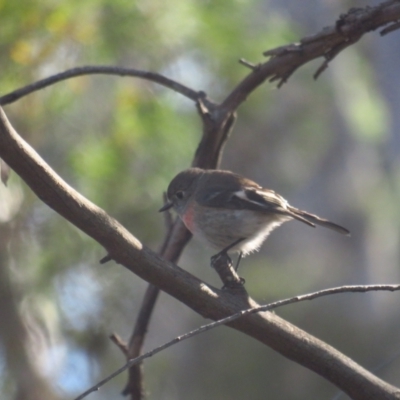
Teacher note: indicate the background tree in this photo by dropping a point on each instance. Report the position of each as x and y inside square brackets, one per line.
[328, 147]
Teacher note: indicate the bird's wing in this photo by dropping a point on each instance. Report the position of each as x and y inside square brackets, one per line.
[264, 200]
[249, 195]
[250, 198]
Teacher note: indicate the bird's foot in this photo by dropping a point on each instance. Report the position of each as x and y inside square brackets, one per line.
[222, 263]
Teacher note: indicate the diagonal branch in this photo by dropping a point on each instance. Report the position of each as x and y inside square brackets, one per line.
[204, 299]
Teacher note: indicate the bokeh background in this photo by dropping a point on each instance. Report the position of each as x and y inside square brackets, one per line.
[330, 147]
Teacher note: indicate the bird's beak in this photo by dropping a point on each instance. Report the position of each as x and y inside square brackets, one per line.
[165, 207]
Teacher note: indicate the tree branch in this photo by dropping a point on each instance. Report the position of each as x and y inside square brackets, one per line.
[328, 43]
[99, 69]
[206, 300]
[284, 61]
[249, 311]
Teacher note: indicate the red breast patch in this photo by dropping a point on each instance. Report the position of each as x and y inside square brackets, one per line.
[188, 217]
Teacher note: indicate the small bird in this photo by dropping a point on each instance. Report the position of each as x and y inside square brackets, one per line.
[232, 213]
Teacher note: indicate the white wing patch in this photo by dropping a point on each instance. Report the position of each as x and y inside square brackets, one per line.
[273, 197]
[242, 195]
[268, 195]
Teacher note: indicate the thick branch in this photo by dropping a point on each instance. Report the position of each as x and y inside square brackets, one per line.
[212, 303]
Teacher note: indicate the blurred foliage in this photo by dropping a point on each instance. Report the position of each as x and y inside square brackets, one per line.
[330, 147]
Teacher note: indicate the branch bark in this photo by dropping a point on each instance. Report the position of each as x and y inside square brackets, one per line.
[204, 299]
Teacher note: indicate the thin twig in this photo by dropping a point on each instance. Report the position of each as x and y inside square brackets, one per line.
[390, 28]
[99, 69]
[115, 338]
[332, 53]
[224, 321]
[248, 64]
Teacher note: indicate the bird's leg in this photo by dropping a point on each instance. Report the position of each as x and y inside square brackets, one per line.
[225, 252]
[238, 261]
[222, 263]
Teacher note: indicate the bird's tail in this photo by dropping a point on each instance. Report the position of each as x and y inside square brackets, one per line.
[312, 220]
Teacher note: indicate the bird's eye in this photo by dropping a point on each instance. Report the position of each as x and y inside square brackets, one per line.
[179, 195]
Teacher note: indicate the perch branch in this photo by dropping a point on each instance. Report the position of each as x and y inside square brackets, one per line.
[204, 299]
